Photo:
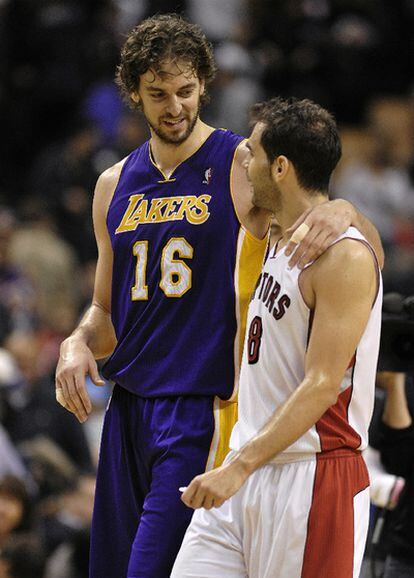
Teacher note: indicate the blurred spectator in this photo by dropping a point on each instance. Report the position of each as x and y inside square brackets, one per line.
[235, 89]
[66, 519]
[132, 131]
[31, 407]
[71, 559]
[219, 20]
[64, 176]
[11, 462]
[15, 508]
[22, 557]
[397, 453]
[17, 295]
[51, 264]
[381, 190]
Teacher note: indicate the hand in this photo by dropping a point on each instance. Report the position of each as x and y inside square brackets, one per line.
[75, 362]
[212, 489]
[326, 222]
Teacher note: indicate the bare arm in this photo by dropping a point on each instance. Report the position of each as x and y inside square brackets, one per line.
[326, 222]
[94, 337]
[342, 285]
[256, 221]
[396, 413]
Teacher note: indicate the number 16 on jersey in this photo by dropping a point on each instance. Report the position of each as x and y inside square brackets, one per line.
[176, 275]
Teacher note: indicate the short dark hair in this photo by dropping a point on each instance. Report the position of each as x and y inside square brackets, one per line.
[166, 36]
[305, 133]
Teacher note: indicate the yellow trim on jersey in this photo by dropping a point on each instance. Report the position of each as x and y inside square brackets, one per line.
[249, 261]
[225, 416]
[227, 419]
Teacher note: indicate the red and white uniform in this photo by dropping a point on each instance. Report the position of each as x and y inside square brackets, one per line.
[278, 329]
[304, 514]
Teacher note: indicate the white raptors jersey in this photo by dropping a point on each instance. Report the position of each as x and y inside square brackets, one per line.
[273, 365]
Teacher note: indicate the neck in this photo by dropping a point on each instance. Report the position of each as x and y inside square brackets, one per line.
[168, 156]
[294, 205]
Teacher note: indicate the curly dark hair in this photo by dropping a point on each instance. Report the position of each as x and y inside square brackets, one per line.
[166, 36]
[305, 133]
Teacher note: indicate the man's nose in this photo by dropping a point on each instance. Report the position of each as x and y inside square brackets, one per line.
[174, 106]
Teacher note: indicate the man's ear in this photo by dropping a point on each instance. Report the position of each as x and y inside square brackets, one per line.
[280, 167]
[135, 97]
[202, 87]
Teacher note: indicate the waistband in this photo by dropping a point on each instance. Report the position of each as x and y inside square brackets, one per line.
[288, 458]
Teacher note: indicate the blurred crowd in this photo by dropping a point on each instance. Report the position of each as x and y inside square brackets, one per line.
[64, 122]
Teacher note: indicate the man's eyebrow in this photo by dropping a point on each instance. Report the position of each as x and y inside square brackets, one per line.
[187, 86]
[156, 88]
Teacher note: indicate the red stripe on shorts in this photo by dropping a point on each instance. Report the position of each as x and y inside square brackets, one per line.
[329, 549]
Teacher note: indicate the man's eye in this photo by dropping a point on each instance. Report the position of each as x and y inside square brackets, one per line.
[186, 93]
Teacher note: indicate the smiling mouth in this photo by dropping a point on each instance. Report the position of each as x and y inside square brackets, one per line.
[174, 123]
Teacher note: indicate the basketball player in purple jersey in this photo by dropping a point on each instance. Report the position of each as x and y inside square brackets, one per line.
[180, 249]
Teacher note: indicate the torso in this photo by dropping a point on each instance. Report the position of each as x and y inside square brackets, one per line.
[279, 323]
[183, 271]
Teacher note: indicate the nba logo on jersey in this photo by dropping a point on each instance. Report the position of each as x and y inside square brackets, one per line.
[207, 176]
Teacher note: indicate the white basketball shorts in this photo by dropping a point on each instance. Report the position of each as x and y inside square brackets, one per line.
[306, 519]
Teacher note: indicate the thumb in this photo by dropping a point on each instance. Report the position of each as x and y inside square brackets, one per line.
[94, 374]
[298, 222]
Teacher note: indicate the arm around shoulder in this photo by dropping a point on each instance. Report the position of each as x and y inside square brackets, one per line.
[364, 225]
[255, 220]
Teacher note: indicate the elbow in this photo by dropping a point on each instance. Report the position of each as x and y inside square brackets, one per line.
[332, 395]
[327, 391]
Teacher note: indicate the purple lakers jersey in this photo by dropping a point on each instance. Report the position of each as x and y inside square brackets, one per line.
[183, 272]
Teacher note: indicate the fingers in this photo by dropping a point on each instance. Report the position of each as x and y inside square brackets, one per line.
[94, 374]
[72, 395]
[208, 502]
[188, 494]
[62, 396]
[300, 245]
[200, 495]
[311, 247]
[298, 222]
[297, 237]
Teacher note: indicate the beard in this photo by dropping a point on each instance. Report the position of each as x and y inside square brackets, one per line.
[179, 138]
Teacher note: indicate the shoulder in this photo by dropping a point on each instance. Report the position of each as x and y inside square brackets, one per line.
[107, 182]
[347, 254]
[228, 139]
[104, 191]
[348, 263]
[241, 154]
[110, 177]
[347, 268]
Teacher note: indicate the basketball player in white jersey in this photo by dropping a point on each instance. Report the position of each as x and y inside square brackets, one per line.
[291, 500]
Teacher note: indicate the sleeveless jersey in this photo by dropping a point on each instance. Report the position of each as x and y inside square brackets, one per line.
[279, 325]
[183, 272]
